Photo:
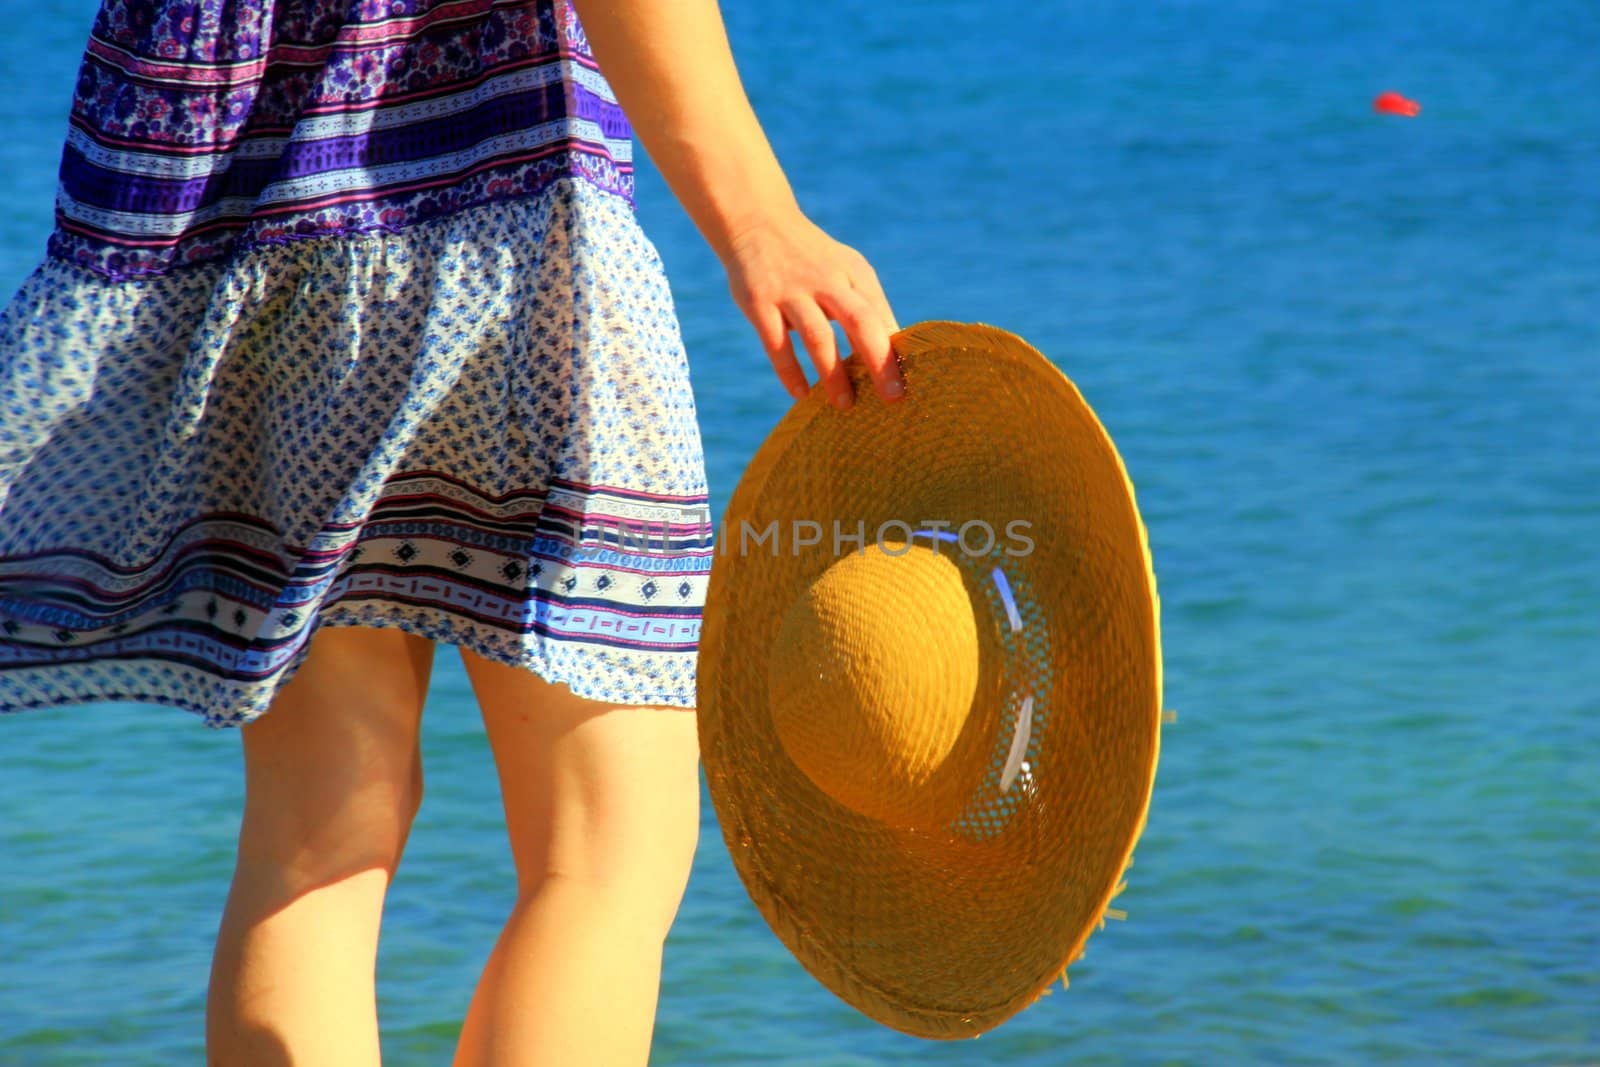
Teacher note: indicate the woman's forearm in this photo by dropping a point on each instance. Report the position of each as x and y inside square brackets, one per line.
[673, 72]
[671, 67]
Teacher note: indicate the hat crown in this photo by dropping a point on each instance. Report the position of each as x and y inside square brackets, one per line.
[871, 683]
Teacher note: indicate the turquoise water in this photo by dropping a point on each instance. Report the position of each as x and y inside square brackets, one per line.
[1352, 365]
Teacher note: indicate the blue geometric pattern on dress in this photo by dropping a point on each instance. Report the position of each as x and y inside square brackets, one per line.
[458, 431]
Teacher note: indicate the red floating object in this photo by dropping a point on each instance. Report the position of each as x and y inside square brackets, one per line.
[1392, 103]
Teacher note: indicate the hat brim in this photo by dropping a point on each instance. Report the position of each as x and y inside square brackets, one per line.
[944, 933]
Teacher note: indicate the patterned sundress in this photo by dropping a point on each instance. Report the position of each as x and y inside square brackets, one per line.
[346, 319]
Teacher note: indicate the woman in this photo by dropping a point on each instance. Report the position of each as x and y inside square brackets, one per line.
[347, 344]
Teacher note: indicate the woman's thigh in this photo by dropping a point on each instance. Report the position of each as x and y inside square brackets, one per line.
[608, 795]
[333, 768]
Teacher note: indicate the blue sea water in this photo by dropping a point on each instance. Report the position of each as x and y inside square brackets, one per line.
[1353, 365]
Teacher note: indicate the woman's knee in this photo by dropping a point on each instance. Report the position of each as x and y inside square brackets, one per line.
[328, 820]
[632, 865]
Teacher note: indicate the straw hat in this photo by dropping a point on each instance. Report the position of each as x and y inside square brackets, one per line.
[931, 750]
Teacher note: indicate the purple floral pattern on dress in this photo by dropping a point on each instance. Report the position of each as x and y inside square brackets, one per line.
[204, 127]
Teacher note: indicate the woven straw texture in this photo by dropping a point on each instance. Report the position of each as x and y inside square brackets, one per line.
[940, 926]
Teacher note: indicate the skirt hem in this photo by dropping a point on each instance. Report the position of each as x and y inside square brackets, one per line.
[437, 625]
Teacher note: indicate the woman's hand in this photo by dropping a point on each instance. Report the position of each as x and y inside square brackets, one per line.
[787, 275]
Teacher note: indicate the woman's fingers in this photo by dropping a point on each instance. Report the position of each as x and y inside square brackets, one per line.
[774, 333]
[789, 370]
[816, 333]
[865, 279]
[869, 335]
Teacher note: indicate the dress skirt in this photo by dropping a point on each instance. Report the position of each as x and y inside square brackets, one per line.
[411, 398]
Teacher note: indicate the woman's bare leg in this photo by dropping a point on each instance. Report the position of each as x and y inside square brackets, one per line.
[603, 812]
[333, 779]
